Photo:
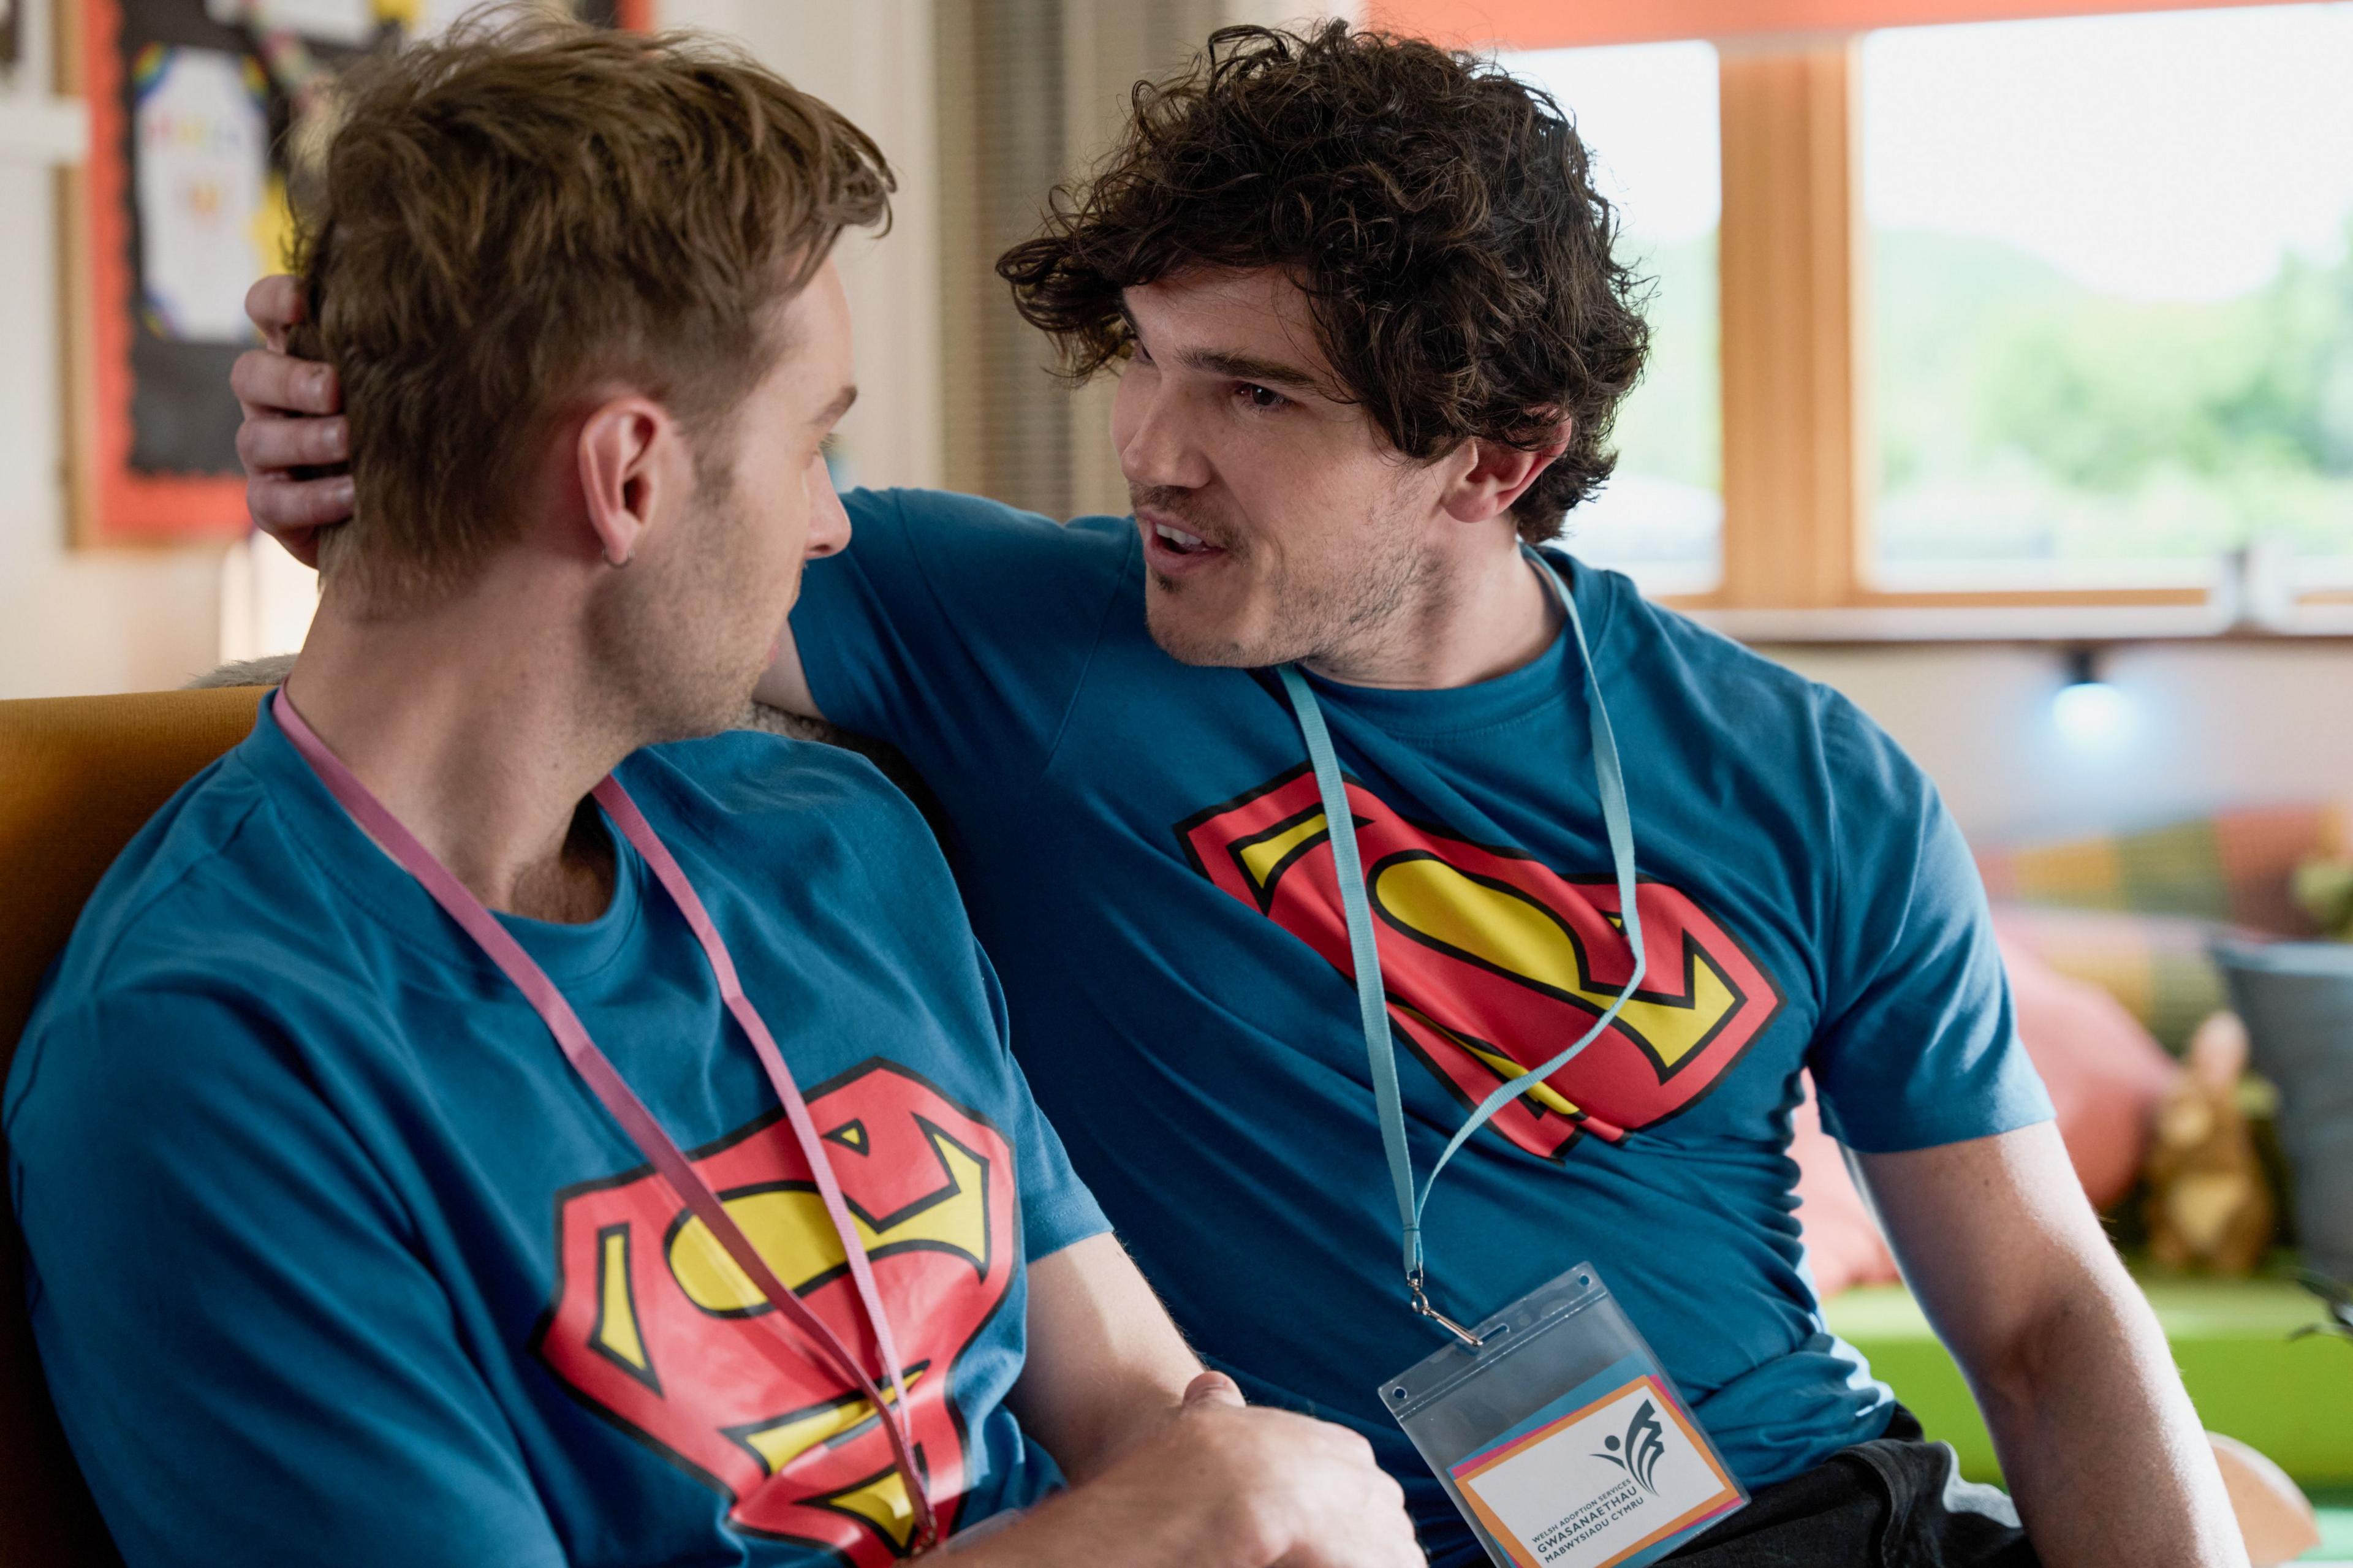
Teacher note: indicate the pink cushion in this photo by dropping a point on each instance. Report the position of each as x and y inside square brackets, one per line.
[1842, 1242]
[2106, 1075]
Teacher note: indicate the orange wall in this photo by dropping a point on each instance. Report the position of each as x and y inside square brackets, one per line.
[1552, 24]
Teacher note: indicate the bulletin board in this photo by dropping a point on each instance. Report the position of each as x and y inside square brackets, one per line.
[178, 208]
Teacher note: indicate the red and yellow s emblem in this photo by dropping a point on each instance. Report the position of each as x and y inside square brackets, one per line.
[652, 1323]
[1494, 963]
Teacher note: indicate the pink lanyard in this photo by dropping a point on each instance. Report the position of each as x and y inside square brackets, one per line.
[630, 1111]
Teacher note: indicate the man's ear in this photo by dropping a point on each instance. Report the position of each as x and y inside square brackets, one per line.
[1497, 476]
[632, 457]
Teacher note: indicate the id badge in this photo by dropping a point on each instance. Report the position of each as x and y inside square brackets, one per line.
[1561, 1438]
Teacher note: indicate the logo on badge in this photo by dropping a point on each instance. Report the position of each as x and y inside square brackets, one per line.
[1493, 962]
[1535, 1492]
[655, 1329]
[1638, 1452]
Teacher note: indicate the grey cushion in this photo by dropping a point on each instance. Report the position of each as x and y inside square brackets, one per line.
[2296, 999]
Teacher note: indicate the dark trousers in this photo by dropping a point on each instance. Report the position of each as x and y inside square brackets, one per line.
[1893, 1502]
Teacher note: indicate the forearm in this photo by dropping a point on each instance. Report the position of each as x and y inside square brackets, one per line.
[2103, 1452]
[1092, 1525]
[1219, 1485]
[1141, 1412]
[1107, 1370]
[2102, 1449]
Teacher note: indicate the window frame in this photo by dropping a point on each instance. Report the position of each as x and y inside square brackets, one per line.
[1793, 280]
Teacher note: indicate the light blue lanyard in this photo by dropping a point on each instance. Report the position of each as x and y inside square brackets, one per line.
[1372, 998]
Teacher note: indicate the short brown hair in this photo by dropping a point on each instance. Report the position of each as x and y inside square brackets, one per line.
[1439, 212]
[525, 207]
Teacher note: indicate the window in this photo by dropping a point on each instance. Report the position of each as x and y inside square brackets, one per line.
[2111, 297]
[1647, 114]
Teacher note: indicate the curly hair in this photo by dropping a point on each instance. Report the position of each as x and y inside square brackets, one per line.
[1438, 213]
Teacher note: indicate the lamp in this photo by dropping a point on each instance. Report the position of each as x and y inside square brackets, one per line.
[2090, 714]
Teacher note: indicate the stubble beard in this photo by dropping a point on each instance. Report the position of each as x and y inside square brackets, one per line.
[671, 646]
[1338, 620]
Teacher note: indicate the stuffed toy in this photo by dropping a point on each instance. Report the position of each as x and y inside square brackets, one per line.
[2208, 1206]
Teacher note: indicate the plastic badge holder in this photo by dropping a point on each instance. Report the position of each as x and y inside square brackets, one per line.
[1560, 1437]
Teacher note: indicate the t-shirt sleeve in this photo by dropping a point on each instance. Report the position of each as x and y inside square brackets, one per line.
[252, 1362]
[957, 628]
[1918, 1046]
[1057, 1208]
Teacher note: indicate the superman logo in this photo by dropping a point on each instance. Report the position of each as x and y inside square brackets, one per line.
[655, 1328]
[1494, 963]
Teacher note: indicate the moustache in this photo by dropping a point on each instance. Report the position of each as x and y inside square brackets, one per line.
[1180, 506]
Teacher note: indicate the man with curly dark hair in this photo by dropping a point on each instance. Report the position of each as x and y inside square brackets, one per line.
[1457, 264]
[1308, 759]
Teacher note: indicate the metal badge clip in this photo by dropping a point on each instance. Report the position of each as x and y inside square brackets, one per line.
[1421, 1304]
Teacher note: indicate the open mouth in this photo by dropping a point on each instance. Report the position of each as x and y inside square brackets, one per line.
[1172, 550]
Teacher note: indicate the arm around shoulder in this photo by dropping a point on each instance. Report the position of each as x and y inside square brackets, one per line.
[784, 684]
[956, 628]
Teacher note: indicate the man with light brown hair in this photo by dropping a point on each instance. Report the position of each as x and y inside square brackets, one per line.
[479, 1121]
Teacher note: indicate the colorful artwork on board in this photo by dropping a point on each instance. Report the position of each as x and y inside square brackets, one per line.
[349, 23]
[182, 205]
[202, 132]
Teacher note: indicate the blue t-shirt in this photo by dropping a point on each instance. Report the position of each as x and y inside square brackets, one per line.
[333, 1257]
[1142, 848]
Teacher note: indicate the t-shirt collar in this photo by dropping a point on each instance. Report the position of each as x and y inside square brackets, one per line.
[1545, 679]
[381, 888]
